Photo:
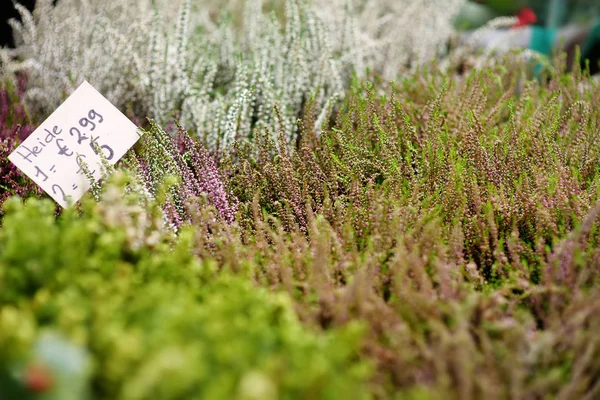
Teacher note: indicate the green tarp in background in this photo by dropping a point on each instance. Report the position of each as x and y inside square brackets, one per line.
[581, 16]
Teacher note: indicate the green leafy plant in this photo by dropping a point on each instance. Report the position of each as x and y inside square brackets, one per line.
[154, 320]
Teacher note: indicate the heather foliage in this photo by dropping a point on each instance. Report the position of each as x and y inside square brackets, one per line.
[60, 46]
[390, 37]
[222, 72]
[162, 155]
[15, 125]
[154, 320]
[456, 217]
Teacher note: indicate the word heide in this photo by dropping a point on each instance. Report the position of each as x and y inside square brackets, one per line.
[67, 149]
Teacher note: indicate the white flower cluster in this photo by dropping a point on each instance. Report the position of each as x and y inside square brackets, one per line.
[222, 67]
[104, 42]
[390, 36]
[261, 65]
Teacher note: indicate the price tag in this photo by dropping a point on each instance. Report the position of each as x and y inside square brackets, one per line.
[58, 153]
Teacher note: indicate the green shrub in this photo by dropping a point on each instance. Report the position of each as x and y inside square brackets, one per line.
[155, 321]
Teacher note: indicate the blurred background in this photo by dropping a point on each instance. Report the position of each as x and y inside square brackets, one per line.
[545, 26]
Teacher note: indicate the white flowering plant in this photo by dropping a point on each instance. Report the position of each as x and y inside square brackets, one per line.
[223, 73]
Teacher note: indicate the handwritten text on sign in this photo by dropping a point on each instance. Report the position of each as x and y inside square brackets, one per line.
[58, 153]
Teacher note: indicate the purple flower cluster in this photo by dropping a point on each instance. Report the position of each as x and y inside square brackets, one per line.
[15, 126]
[205, 177]
[163, 154]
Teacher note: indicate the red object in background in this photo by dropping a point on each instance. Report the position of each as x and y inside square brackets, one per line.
[37, 378]
[526, 17]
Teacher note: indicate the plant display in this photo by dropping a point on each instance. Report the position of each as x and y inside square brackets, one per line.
[319, 207]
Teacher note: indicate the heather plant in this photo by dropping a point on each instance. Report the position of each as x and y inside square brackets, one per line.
[311, 58]
[219, 85]
[456, 217]
[161, 155]
[453, 215]
[393, 36]
[15, 125]
[436, 326]
[111, 283]
[61, 45]
[222, 72]
[276, 64]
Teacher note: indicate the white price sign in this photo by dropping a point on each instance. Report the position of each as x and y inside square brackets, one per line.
[58, 153]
